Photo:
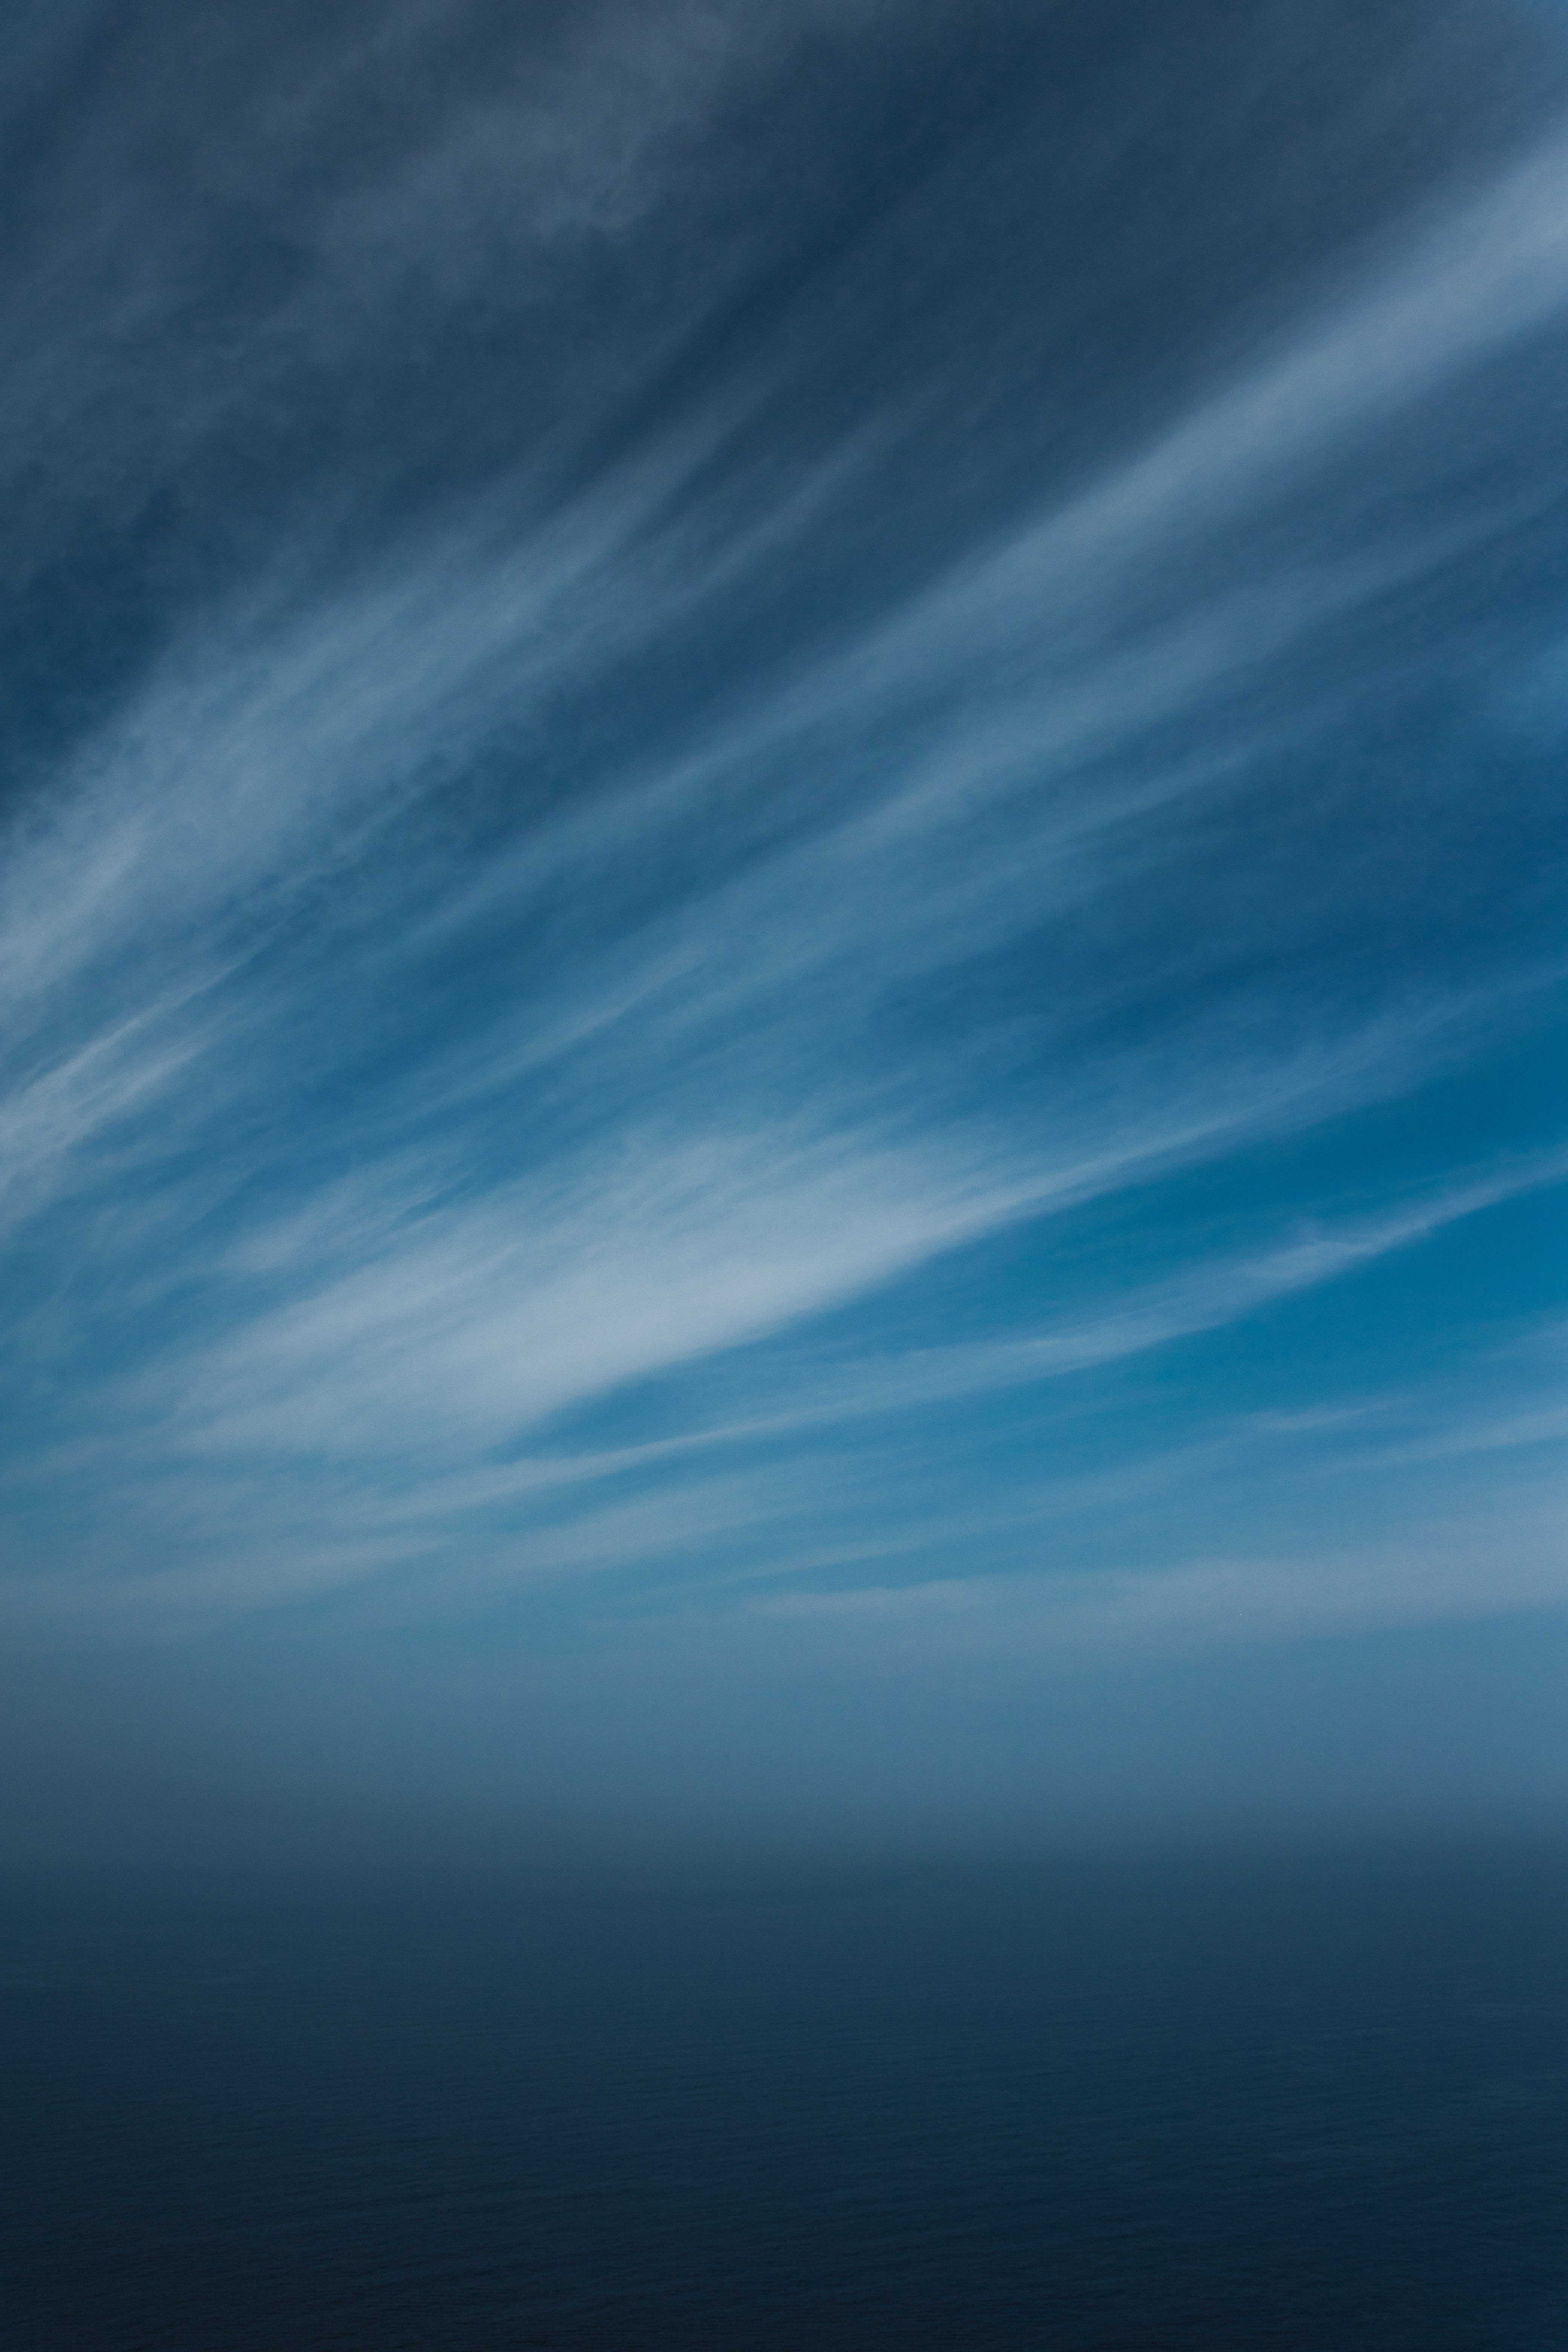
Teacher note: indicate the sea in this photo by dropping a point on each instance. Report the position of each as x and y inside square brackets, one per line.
[1123, 2103]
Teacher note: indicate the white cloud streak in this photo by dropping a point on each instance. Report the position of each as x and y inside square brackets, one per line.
[457, 1299]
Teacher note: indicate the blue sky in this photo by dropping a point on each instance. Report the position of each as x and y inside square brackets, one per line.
[782, 914]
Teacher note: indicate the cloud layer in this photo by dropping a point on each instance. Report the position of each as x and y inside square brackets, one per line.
[785, 848]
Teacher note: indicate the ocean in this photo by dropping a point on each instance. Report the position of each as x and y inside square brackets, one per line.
[1314, 2100]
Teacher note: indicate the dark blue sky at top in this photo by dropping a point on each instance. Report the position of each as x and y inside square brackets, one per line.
[782, 915]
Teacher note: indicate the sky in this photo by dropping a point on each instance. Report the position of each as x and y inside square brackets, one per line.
[783, 877]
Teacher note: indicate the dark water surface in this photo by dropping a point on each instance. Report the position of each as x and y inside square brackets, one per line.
[1318, 2103]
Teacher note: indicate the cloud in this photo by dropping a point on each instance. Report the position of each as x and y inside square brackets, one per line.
[325, 195]
[485, 1317]
[1199, 1603]
[487, 976]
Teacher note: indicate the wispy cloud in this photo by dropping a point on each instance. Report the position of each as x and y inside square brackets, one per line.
[1205, 1603]
[475, 978]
